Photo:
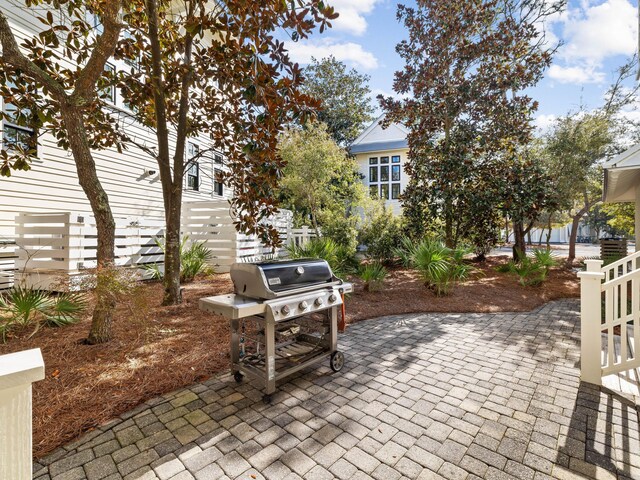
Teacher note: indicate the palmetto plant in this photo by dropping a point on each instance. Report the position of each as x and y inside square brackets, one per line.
[193, 260]
[24, 306]
[439, 266]
[373, 275]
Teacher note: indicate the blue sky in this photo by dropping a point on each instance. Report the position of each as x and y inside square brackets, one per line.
[598, 36]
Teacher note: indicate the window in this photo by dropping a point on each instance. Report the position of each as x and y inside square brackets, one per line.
[373, 191]
[217, 159]
[132, 62]
[193, 172]
[395, 159]
[16, 133]
[109, 93]
[384, 173]
[395, 191]
[373, 161]
[218, 187]
[373, 174]
[384, 159]
[395, 173]
[384, 191]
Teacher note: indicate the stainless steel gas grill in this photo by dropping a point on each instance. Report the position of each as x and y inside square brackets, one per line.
[283, 316]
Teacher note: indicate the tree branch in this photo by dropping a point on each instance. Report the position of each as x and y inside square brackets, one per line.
[11, 55]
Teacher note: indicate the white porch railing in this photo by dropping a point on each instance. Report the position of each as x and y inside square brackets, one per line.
[17, 372]
[610, 317]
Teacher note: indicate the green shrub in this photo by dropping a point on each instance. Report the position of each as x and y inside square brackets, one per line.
[439, 266]
[193, 261]
[340, 228]
[381, 235]
[531, 270]
[340, 258]
[25, 306]
[373, 275]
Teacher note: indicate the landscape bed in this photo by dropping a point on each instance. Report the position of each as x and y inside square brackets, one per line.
[171, 347]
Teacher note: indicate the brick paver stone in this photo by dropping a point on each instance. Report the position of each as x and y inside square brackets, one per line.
[432, 396]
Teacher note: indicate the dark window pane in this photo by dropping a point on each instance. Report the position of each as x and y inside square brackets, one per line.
[218, 187]
[373, 161]
[193, 177]
[218, 159]
[395, 159]
[395, 173]
[373, 191]
[395, 191]
[384, 191]
[384, 173]
[384, 159]
[109, 93]
[373, 174]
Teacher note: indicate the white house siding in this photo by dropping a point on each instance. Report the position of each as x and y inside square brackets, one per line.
[52, 184]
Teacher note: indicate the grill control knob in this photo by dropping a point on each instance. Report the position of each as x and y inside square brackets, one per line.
[319, 302]
[303, 305]
[285, 310]
[332, 298]
[299, 270]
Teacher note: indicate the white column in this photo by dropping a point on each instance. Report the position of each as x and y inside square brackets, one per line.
[17, 372]
[590, 322]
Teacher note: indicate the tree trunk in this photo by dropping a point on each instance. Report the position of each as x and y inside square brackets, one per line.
[100, 331]
[448, 231]
[529, 242]
[519, 244]
[574, 234]
[172, 290]
[549, 226]
[506, 230]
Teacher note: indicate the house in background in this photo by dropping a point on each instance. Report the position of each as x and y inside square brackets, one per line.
[381, 154]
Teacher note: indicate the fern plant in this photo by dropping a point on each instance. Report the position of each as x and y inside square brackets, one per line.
[531, 270]
[373, 275]
[23, 306]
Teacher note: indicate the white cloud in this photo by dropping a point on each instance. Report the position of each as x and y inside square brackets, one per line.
[576, 74]
[544, 122]
[352, 15]
[353, 54]
[596, 32]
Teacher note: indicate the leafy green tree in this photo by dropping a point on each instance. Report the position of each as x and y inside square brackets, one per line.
[345, 98]
[467, 65]
[620, 217]
[321, 181]
[62, 99]
[216, 69]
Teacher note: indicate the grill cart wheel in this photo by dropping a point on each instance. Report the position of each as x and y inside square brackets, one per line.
[266, 399]
[237, 376]
[337, 361]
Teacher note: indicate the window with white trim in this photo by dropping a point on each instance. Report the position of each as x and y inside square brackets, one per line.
[16, 133]
[193, 172]
[218, 186]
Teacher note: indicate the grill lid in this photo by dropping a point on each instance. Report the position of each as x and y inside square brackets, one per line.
[278, 278]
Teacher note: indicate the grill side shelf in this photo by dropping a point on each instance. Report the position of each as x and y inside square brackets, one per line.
[231, 306]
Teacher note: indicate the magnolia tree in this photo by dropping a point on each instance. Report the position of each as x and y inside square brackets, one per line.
[467, 65]
[47, 93]
[217, 71]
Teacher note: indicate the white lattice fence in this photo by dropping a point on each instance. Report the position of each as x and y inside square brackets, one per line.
[211, 223]
[65, 243]
[8, 258]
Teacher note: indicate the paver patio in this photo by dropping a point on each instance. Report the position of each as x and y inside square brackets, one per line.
[493, 396]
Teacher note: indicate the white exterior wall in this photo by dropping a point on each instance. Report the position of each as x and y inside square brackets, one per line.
[363, 167]
[52, 183]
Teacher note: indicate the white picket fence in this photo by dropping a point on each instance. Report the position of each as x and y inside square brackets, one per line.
[55, 246]
[610, 317]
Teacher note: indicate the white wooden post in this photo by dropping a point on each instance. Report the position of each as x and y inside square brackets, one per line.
[590, 322]
[17, 372]
[305, 235]
[637, 218]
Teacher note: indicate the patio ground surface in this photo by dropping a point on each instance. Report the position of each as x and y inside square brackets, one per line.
[426, 396]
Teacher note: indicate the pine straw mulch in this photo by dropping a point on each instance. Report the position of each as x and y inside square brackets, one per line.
[172, 347]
